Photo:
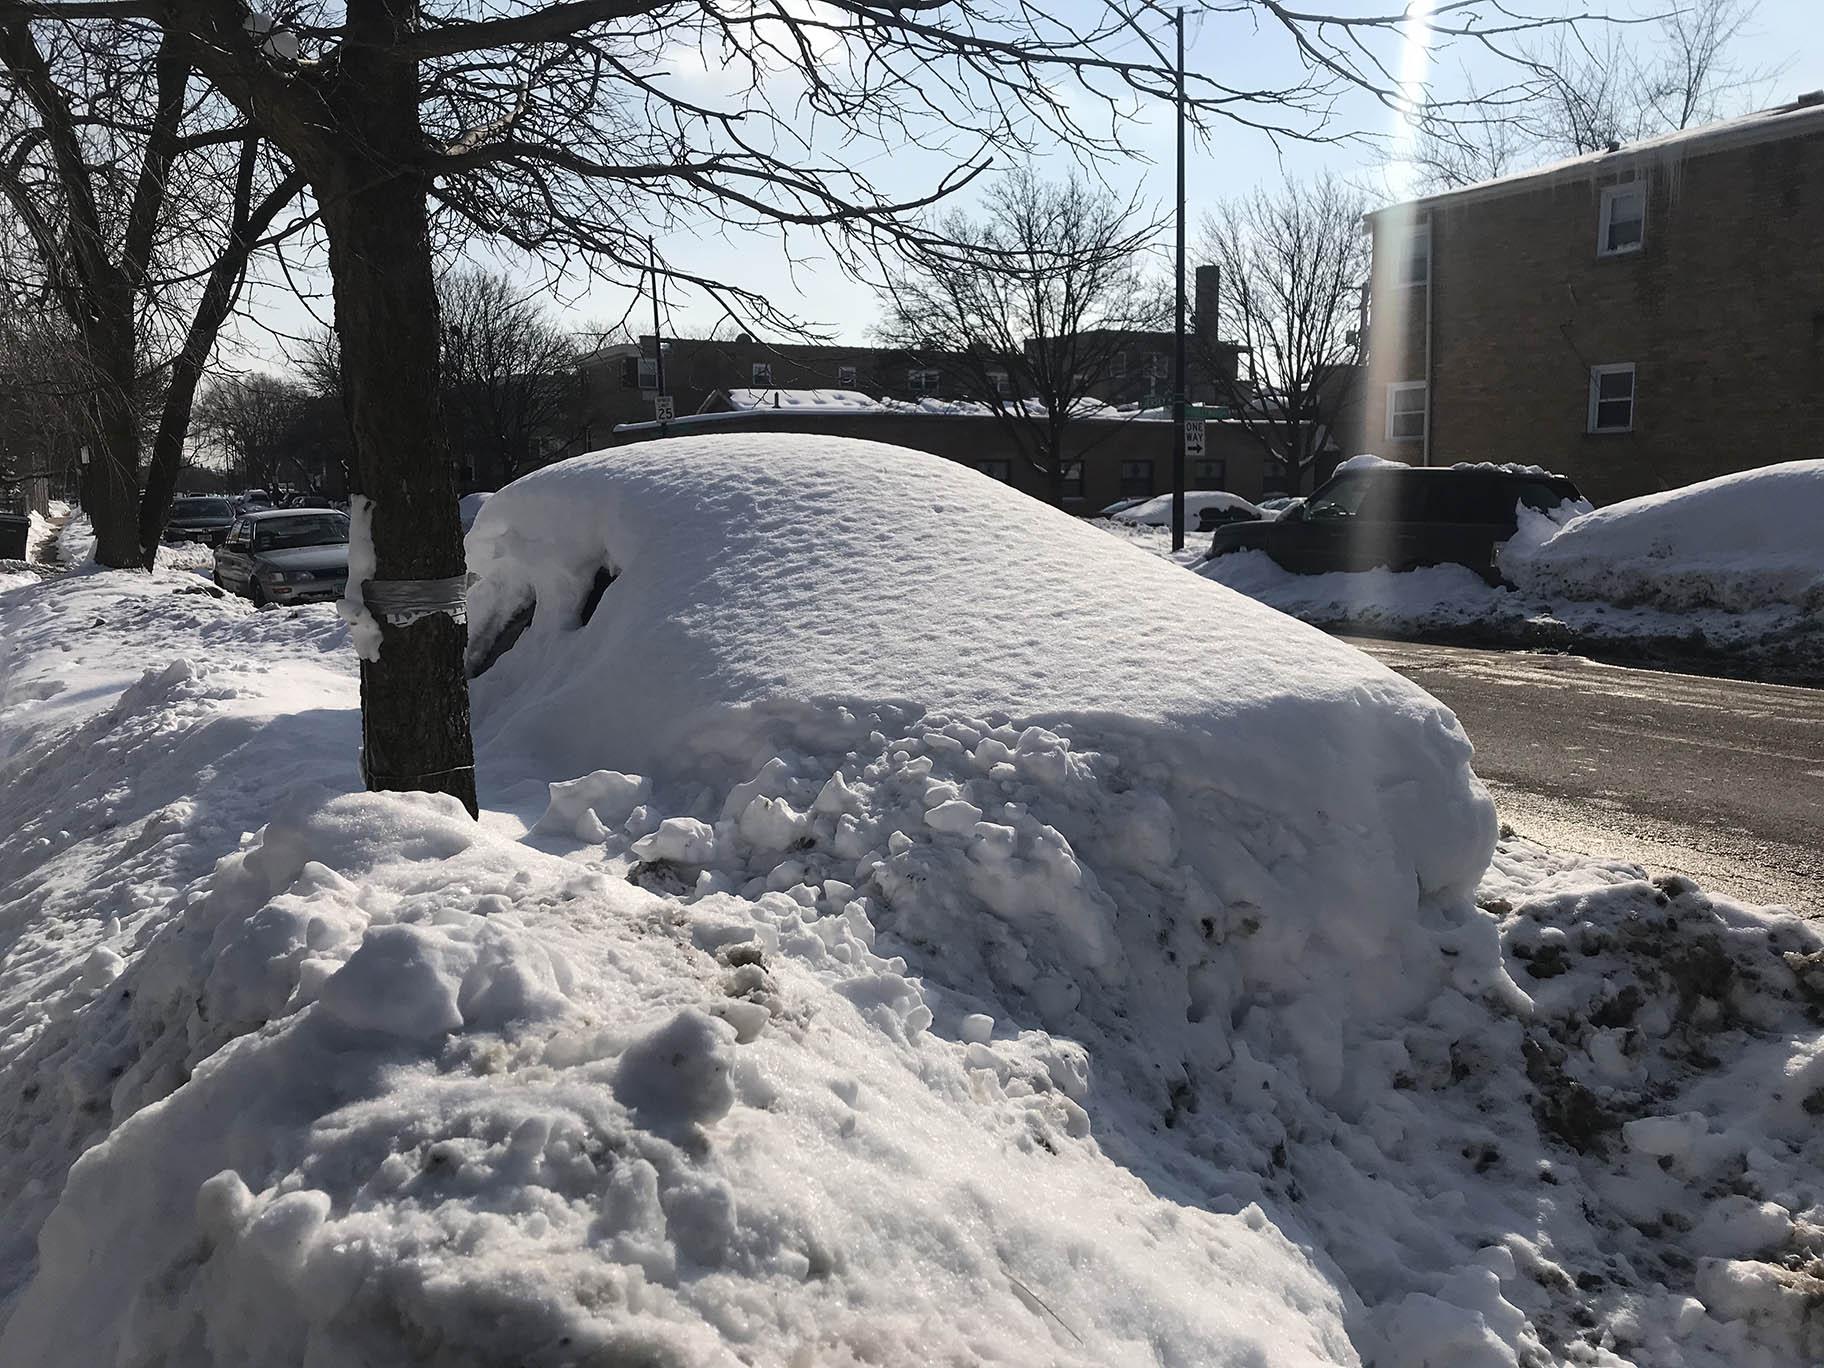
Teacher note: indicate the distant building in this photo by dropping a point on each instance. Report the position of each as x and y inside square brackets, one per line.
[1109, 457]
[745, 384]
[1637, 319]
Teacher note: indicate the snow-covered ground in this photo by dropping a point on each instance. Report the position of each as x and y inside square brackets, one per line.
[867, 955]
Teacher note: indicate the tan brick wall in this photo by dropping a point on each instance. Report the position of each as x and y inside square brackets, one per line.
[1722, 311]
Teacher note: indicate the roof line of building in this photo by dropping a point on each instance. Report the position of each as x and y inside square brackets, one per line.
[1800, 118]
[695, 419]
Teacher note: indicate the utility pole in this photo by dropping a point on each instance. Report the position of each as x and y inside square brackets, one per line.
[658, 342]
[1178, 385]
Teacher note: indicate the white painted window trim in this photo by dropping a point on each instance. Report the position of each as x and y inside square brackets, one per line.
[760, 374]
[1404, 387]
[1610, 194]
[847, 376]
[924, 379]
[1626, 368]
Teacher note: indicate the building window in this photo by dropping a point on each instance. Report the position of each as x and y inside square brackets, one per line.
[1209, 474]
[649, 372]
[1406, 411]
[762, 372]
[1624, 219]
[923, 381]
[1612, 398]
[845, 377]
[1136, 479]
[1415, 256]
[1073, 479]
[999, 380]
[997, 470]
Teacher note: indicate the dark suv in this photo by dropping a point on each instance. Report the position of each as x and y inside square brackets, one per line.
[1401, 517]
[203, 518]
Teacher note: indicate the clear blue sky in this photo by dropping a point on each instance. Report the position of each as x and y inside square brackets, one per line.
[1786, 37]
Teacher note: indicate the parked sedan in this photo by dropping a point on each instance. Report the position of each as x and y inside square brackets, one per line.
[287, 555]
[1401, 517]
[200, 519]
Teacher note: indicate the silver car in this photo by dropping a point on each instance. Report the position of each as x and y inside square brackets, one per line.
[285, 555]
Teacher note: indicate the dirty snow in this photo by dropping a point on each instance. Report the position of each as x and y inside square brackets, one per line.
[838, 977]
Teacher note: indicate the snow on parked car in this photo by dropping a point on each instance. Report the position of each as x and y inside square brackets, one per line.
[1203, 509]
[968, 940]
[1736, 543]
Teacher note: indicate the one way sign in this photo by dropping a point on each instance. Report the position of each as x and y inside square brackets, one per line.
[1193, 436]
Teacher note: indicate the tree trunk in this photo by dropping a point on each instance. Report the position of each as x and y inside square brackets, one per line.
[110, 479]
[415, 696]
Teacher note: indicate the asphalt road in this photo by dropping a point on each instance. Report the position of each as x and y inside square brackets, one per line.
[1714, 778]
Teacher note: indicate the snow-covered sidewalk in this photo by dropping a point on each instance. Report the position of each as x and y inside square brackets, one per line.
[858, 1028]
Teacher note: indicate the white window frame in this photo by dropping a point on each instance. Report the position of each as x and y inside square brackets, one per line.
[1003, 384]
[924, 380]
[845, 377]
[1407, 387]
[760, 374]
[1605, 220]
[1408, 238]
[648, 373]
[1626, 368]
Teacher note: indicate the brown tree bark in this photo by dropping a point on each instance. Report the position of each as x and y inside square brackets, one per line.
[415, 696]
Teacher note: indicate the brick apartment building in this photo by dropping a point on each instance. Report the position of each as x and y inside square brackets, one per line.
[1638, 319]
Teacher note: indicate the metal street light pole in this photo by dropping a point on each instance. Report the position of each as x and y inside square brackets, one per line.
[1178, 385]
[658, 342]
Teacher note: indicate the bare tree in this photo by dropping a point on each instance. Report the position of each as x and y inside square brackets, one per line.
[557, 128]
[1293, 262]
[42, 398]
[508, 372]
[1591, 89]
[1033, 309]
[252, 423]
[140, 202]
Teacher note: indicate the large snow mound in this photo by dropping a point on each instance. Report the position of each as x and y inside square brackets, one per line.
[355, 1080]
[760, 606]
[1738, 543]
[867, 1019]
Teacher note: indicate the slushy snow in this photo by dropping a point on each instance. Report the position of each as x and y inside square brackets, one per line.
[877, 947]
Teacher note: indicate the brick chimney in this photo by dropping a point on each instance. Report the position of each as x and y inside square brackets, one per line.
[1204, 306]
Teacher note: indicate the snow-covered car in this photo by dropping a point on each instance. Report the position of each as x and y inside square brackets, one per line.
[1119, 506]
[1204, 510]
[1277, 506]
[285, 555]
[1401, 517]
[200, 518]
